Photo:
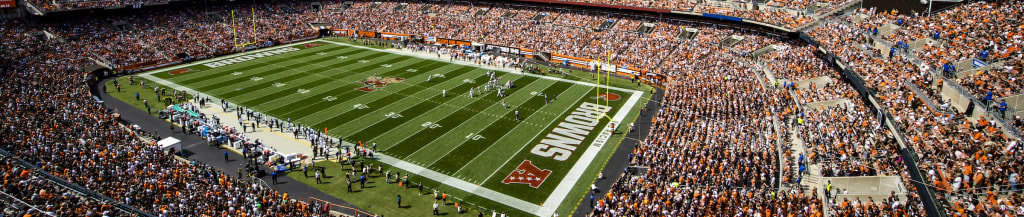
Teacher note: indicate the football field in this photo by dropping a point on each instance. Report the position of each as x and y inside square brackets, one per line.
[527, 150]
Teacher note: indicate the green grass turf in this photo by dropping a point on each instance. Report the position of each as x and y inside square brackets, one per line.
[316, 87]
[381, 198]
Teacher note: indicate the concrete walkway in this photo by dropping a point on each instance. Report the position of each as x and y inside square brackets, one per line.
[284, 142]
[195, 148]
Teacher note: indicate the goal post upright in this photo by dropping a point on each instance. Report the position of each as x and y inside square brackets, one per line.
[607, 84]
[234, 36]
[234, 30]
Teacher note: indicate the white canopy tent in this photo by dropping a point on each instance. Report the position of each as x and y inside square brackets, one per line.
[170, 143]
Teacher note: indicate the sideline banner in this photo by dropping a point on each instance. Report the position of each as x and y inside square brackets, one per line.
[509, 50]
[453, 42]
[367, 34]
[394, 36]
[342, 32]
[568, 60]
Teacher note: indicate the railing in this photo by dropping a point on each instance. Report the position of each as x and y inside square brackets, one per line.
[908, 155]
[921, 94]
[1012, 130]
[57, 181]
[20, 205]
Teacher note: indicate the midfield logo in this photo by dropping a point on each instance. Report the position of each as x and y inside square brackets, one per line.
[375, 82]
[527, 173]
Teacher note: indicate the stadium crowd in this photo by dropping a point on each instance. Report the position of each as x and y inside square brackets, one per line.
[693, 170]
[971, 162]
[51, 122]
[782, 13]
[46, 197]
[713, 148]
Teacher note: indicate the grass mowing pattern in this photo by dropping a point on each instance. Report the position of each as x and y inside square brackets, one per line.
[274, 86]
[469, 150]
[371, 132]
[421, 138]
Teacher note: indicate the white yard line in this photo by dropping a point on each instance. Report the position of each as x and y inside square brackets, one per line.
[448, 104]
[340, 82]
[482, 66]
[560, 192]
[224, 57]
[524, 146]
[279, 71]
[442, 118]
[342, 93]
[413, 118]
[461, 185]
[553, 201]
[486, 126]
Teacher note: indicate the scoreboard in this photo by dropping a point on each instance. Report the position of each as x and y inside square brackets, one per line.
[8, 3]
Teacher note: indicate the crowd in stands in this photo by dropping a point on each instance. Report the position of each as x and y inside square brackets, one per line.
[51, 121]
[579, 19]
[849, 141]
[796, 62]
[752, 42]
[712, 149]
[42, 196]
[972, 164]
[791, 16]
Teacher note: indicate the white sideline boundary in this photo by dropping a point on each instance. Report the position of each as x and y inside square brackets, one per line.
[224, 57]
[560, 192]
[459, 62]
[554, 199]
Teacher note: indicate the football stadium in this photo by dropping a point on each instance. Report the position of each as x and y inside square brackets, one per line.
[511, 108]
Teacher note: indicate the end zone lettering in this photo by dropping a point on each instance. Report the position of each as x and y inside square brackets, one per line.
[249, 57]
[562, 141]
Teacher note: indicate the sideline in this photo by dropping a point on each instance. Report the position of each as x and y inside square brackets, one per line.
[555, 198]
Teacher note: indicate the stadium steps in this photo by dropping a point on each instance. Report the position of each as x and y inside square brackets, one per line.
[769, 73]
[812, 176]
[202, 44]
[509, 14]
[558, 16]
[646, 28]
[32, 9]
[689, 33]
[732, 40]
[98, 62]
[481, 12]
[920, 94]
[148, 46]
[675, 46]
[539, 16]
[819, 81]
[213, 17]
[766, 50]
[607, 24]
[98, 59]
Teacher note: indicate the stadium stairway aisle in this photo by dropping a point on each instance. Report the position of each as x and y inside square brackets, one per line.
[195, 148]
[812, 177]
